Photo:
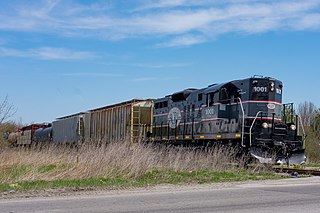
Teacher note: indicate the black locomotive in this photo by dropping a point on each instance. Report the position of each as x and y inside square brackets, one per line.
[247, 113]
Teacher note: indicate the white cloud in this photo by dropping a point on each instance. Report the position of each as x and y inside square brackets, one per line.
[152, 79]
[159, 4]
[47, 53]
[173, 20]
[91, 74]
[186, 40]
[144, 79]
[163, 65]
[310, 21]
[169, 4]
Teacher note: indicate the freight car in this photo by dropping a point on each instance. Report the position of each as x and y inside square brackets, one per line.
[68, 129]
[25, 135]
[127, 121]
[247, 113]
[43, 135]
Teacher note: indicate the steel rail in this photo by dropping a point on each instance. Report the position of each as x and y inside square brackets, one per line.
[299, 171]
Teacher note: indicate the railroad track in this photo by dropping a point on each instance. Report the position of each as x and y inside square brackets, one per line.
[297, 171]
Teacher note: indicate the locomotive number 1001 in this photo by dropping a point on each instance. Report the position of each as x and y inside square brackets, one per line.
[260, 89]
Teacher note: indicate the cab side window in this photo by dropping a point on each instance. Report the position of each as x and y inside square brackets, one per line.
[212, 98]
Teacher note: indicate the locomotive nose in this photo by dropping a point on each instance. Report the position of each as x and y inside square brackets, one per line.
[266, 156]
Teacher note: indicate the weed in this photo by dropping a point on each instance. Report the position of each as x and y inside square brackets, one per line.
[116, 163]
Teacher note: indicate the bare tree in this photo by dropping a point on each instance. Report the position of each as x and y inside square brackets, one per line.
[308, 112]
[7, 110]
[317, 125]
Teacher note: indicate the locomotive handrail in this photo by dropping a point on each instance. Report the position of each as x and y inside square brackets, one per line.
[242, 128]
[301, 124]
[254, 120]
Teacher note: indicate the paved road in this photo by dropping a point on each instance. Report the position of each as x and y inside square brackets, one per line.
[293, 195]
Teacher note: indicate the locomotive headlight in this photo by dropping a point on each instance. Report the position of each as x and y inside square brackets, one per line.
[264, 125]
[272, 86]
[293, 127]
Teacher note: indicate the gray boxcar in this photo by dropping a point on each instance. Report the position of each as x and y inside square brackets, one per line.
[69, 129]
[123, 122]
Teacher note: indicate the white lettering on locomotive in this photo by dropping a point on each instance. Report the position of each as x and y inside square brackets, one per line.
[209, 111]
[260, 89]
[241, 92]
[278, 91]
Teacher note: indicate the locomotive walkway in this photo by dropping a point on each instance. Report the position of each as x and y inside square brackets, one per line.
[286, 195]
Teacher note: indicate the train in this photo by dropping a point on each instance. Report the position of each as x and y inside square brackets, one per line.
[246, 113]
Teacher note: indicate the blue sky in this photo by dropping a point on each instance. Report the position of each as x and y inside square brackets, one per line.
[63, 57]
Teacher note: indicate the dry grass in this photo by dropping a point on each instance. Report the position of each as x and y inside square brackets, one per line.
[107, 161]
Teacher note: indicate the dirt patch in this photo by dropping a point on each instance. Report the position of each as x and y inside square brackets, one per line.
[110, 190]
[67, 192]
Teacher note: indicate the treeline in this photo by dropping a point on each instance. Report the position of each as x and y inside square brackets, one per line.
[310, 118]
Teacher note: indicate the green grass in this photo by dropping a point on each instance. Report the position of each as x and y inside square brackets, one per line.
[14, 172]
[44, 184]
[315, 166]
[153, 177]
[202, 176]
[46, 168]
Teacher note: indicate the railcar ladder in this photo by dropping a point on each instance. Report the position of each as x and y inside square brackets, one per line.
[136, 123]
